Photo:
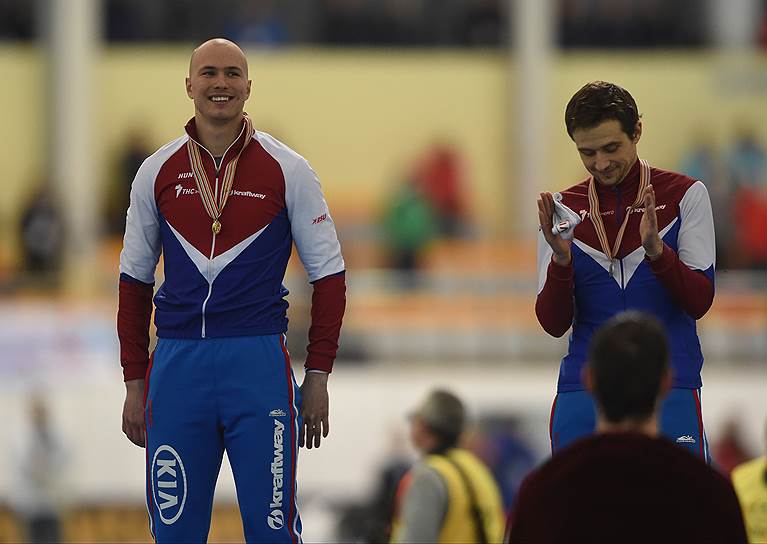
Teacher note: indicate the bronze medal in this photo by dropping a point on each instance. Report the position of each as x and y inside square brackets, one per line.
[596, 216]
[214, 202]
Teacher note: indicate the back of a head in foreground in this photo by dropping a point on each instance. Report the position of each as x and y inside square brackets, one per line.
[628, 360]
[629, 487]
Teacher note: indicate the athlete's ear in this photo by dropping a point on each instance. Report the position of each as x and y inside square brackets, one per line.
[247, 94]
[637, 132]
[188, 82]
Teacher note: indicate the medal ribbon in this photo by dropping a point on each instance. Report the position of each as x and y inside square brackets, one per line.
[215, 207]
[596, 217]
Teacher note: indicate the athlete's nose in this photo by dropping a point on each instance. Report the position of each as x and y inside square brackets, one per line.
[220, 81]
[602, 163]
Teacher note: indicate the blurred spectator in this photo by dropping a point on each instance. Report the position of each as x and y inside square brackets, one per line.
[702, 162]
[747, 174]
[135, 149]
[729, 450]
[750, 481]
[750, 220]
[449, 495]
[498, 442]
[40, 486]
[747, 160]
[626, 483]
[42, 235]
[409, 226]
[439, 176]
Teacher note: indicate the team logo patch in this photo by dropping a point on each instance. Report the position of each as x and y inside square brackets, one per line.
[181, 190]
[277, 412]
[169, 485]
[685, 439]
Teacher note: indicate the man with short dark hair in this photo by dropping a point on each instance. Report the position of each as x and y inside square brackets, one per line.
[626, 483]
[450, 495]
[630, 236]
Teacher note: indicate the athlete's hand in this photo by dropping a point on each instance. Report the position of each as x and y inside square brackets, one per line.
[314, 409]
[560, 246]
[648, 226]
[133, 412]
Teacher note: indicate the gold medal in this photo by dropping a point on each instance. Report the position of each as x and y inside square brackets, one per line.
[216, 227]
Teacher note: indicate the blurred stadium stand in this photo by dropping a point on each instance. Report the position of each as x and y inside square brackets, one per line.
[630, 24]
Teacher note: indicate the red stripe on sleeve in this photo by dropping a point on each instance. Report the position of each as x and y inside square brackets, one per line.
[328, 306]
[134, 312]
[554, 306]
[691, 289]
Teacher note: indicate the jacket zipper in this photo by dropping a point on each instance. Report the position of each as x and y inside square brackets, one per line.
[210, 266]
[213, 243]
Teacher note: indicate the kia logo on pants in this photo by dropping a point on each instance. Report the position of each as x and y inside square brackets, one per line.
[168, 484]
[276, 519]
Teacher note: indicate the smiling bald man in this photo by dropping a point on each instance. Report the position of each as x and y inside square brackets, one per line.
[223, 204]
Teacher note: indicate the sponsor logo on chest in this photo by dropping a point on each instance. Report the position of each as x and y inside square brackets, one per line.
[188, 191]
[587, 214]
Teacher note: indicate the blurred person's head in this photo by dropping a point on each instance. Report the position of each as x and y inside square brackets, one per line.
[604, 122]
[38, 411]
[218, 81]
[436, 425]
[628, 372]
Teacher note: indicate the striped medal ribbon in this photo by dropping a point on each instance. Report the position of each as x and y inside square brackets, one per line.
[596, 217]
[215, 206]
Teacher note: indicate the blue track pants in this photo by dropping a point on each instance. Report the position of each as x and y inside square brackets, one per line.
[206, 396]
[573, 416]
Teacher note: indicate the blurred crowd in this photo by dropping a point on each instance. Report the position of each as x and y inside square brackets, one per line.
[458, 23]
[736, 179]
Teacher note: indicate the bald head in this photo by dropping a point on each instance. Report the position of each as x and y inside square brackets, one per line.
[218, 83]
[216, 50]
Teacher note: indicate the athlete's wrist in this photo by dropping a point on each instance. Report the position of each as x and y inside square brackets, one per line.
[656, 250]
[135, 385]
[316, 376]
[562, 260]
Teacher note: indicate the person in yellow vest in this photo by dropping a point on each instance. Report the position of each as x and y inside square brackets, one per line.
[750, 482]
[449, 495]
